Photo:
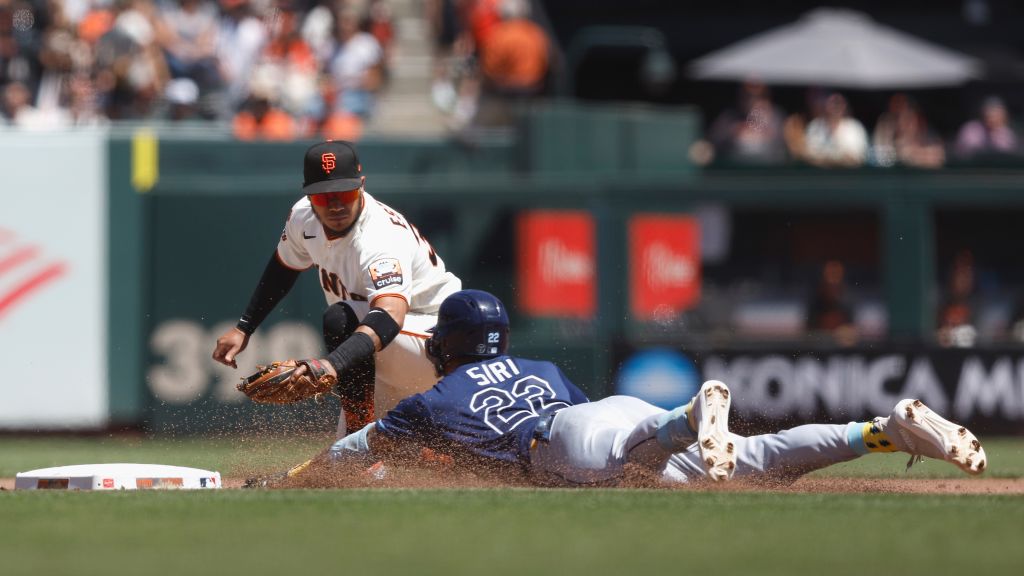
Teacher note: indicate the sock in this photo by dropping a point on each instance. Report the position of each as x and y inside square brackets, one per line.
[676, 429]
[689, 416]
[867, 437]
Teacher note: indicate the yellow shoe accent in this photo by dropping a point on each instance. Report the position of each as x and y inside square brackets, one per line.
[690, 421]
[875, 440]
[295, 471]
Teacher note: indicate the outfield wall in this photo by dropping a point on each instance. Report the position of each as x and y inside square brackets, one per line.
[583, 205]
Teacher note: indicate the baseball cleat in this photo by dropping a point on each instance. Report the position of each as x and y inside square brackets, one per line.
[711, 414]
[925, 433]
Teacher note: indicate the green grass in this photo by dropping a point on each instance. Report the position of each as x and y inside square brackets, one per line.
[489, 532]
[232, 456]
[1005, 460]
[515, 532]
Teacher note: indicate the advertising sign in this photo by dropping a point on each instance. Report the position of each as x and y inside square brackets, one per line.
[53, 280]
[664, 262]
[557, 264]
[983, 389]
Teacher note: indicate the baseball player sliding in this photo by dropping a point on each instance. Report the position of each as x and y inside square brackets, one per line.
[382, 280]
[491, 410]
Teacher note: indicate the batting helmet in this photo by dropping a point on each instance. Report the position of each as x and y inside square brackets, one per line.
[470, 324]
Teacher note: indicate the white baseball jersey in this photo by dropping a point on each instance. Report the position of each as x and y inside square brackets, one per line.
[383, 255]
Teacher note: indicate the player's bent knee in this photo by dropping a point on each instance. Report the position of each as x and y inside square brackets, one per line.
[340, 321]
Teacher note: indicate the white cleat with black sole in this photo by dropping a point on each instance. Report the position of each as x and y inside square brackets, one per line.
[711, 414]
[925, 433]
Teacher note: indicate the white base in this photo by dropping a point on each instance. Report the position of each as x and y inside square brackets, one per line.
[118, 477]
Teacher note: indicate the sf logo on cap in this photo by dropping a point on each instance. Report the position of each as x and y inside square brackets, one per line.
[328, 162]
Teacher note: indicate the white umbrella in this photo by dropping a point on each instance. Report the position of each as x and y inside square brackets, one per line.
[838, 48]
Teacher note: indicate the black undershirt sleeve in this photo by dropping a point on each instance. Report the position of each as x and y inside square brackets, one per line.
[276, 281]
[355, 348]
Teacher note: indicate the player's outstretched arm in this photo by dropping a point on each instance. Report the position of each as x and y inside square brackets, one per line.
[276, 282]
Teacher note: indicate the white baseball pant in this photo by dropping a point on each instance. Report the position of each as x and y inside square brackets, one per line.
[591, 443]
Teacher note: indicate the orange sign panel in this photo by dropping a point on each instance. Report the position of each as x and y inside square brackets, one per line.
[557, 264]
[664, 255]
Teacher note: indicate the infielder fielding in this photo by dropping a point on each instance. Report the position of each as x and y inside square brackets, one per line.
[382, 280]
[490, 410]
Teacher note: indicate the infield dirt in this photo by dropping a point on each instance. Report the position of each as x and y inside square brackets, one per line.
[804, 485]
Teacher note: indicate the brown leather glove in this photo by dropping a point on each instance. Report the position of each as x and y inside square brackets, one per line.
[276, 384]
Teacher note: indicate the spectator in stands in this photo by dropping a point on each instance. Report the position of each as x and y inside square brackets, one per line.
[18, 110]
[317, 28]
[514, 55]
[902, 136]
[188, 35]
[182, 96]
[57, 59]
[83, 104]
[955, 323]
[97, 20]
[752, 131]
[514, 59]
[131, 70]
[991, 134]
[452, 50]
[260, 119]
[288, 70]
[342, 126]
[19, 44]
[833, 138]
[482, 17]
[356, 64]
[379, 23]
[335, 123]
[240, 40]
[828, 311]
[794, 129]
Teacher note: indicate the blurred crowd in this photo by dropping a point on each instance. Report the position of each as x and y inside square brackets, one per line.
[285, 69]
[960, 317]
[276, 69]
[828, 134]
[273, 69]
[490, 57]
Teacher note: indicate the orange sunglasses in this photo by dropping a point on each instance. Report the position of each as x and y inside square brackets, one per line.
[325, 198]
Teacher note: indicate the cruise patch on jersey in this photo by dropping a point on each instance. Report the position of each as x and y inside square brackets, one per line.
[385, 272]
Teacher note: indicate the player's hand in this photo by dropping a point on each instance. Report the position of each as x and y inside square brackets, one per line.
[230, 345]
[303, 370]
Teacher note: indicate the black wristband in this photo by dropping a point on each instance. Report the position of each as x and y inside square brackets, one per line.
[245, 326]
[380, 321]
[353, 349]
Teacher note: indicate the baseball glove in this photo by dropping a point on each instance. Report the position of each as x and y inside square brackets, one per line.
[270, 384]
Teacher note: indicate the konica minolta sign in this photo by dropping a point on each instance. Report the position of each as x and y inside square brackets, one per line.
[983, 388]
